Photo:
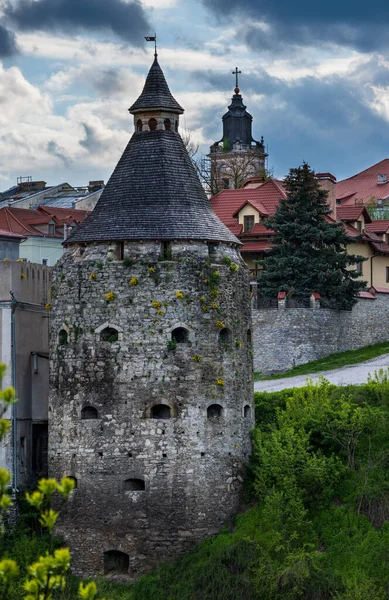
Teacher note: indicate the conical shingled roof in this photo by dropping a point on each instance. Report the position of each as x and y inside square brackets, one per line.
[156, 93]
[154, 193]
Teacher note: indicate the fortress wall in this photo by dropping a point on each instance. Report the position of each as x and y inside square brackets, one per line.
[287, 337]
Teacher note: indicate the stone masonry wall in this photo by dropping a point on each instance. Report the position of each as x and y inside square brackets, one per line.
[284, 338]
[191, 464]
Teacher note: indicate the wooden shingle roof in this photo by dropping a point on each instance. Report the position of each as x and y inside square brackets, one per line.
[153, 193]
[156, 94]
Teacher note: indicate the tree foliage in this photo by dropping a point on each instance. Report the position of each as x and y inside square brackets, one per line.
[310, 250]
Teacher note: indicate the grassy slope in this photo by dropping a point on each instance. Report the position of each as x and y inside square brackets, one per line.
[333, 361]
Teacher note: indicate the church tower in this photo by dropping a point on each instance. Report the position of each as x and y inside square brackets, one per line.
[151, 399]
[237, 156]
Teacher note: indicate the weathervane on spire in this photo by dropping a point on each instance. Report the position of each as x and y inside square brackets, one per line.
[152, 38]
[236, 73]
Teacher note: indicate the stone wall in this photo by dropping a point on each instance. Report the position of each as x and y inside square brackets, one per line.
[148, 398]
[287, 337]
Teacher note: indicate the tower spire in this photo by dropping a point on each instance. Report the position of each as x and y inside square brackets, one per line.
[236, 73]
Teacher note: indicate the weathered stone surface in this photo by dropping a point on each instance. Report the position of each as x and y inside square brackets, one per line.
[192, 463]
[284, 338]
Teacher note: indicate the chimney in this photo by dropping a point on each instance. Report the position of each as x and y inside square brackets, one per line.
[93, 186]
[381, 179]
[327, 182]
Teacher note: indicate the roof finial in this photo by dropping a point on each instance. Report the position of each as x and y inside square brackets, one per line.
[236, 73]
[152, 38]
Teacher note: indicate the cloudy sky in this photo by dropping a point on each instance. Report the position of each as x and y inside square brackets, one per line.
[315, 77]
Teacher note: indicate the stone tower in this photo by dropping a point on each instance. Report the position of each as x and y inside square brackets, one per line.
[237, 156]
[151, 398]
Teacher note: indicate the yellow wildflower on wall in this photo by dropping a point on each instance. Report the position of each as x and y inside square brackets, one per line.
[133, 281]
[48, 306]
[179, 295]
[220, 324]
[110, 296]
[220, 382]
[92, 276]
[156, 304]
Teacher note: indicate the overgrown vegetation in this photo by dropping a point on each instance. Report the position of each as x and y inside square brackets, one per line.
[318, 497]
[333, 361]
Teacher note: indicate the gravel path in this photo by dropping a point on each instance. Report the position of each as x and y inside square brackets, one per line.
[351, 374]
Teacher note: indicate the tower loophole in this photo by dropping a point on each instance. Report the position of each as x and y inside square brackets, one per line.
[247, 411]
[214, 411]
[134, 485]
[160, 411]
[89, 412]
[180, 335]
[116, 562]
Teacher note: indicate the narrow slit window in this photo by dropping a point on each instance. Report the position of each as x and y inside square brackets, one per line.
[225, 336]
[153, 124]
[168, 125]
[63, 337]
[139, 125]
[247, 411]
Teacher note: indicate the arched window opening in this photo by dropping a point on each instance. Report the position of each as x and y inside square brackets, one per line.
[225, 336]
[180, 335]
[134, 485]
[168, 125]
[109, 334]
[89, 412]
[214, 411]
[176, 126]
[139, 125]
[247, 411]
[249, 337]
[160, 411]
[74, 479]
[63, 337]
[153, 124]
[116, 562]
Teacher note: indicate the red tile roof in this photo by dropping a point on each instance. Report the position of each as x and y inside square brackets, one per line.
[256, 246]
[227, 202]
[352, 213]
[381, 226]
[364, 186]
[24, 222]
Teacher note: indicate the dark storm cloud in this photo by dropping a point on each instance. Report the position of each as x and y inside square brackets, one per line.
[8, 45]
[305, 22]
[128, 21]
[328, 122]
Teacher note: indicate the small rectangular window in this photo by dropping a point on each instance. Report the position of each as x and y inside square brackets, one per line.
[226, 183]
[166, 251]
[51, 229]
[387, 274]
[248, 223]
[22, 450]
[120, 251]
[359, 269]
[45, 261]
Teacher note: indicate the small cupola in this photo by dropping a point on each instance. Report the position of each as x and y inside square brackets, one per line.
[156, 109]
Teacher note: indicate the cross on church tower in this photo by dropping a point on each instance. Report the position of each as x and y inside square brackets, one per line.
[236, 73]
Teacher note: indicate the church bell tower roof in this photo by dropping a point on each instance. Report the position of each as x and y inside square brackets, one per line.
[154, 192]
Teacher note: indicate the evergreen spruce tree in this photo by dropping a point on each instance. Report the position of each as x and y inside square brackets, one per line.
[309, 253]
